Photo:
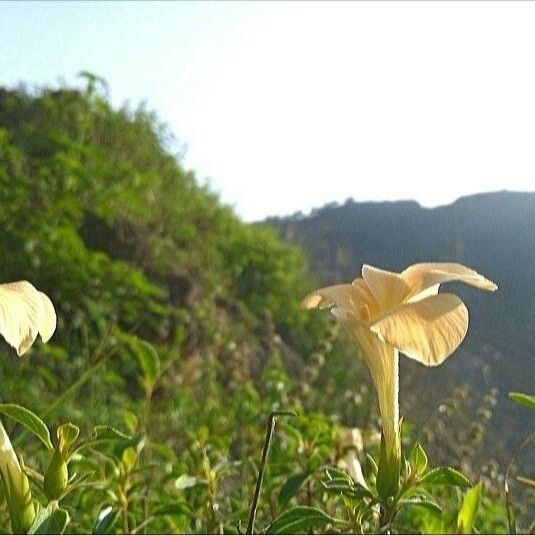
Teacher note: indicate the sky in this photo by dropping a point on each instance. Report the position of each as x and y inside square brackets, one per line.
[283, 107]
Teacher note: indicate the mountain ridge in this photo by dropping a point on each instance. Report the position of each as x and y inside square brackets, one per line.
[407, 201]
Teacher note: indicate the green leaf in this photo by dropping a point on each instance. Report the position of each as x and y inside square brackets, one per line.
[50, 519]
[372, 465]
[523, 399]
[338, 484]
[445, 475]
[129, 458]
[291, 486]
[185, 482]
[333, 473]
[467, 513]
[105, 520]
[149, 361]
[406, 469]
[346, 487]
[67, 435]
[179, 508]
[105, 432]
[418, 459]
[299, 520]
[422, 500]
[28, 419]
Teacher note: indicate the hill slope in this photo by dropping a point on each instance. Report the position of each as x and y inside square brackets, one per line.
[98, 213]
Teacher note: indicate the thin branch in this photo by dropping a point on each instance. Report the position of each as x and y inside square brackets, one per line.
[269, 435]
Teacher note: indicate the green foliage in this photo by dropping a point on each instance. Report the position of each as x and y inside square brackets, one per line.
[418, 459]
[28, 419]
[467, 513]
[445, 475]
[299, 520]
[523, 399]
[51, 519]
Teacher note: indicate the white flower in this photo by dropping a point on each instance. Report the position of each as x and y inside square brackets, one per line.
[387, 313]
[24, 313]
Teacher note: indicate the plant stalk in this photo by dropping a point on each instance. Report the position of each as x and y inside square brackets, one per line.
[269, 435]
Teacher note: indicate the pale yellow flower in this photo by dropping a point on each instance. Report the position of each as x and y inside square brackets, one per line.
[24, 313]
[387, 312]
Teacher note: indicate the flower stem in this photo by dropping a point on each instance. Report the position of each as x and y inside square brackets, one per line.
[386, 516]
[269, 435]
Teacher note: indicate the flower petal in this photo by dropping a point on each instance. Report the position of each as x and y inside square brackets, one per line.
[428, 330]
[388, 288]
[422, 277]
[347, 298]
[20, 310]
[25, 312]
[47, 322]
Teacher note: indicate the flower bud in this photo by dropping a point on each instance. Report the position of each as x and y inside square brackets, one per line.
[17, 486]
[56, 477]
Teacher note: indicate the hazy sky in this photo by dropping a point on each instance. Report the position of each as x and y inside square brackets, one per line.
[287, 106]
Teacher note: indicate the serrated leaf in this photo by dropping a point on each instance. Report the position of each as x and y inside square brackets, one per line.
[50, 519]
[338, 482]
[418, 459]
[29, 420]
[345, 487]
[105, 520]
[523, 399]
[360, 491]
[337, 488]
[333, 473]
[468, 511]
[445, 475]
[422, 500]
[299, 520]
[290, 487]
